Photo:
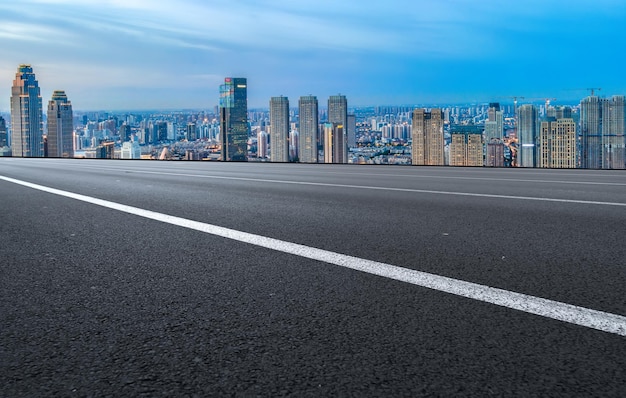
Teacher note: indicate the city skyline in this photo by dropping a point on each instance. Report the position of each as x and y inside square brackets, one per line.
[172, 55]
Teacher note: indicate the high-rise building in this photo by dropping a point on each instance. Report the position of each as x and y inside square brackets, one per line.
[494, 156]
[125, 132]
[466, 147]
[60, 126]
[262, 145]
[591, 132]
[427, 136]
[4, 138]
[234, 119]
[602, 133]
[558, 144]
[279, 133]
[494, 127]
[351, 132]
[130, 150]
[309, 125]
[294, 145]
[191, 133]
[563, 112]
[338, 114]
[26, 114]
[334, 143]
[613, 133]
[527, 133]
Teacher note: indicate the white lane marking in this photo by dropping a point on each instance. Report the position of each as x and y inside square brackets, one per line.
[514, 180]
[604, 321]
[323, 184]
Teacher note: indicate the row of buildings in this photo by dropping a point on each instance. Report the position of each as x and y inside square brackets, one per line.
[593, 139]
[234, 127]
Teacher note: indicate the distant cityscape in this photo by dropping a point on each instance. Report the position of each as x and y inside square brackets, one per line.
[508, 132]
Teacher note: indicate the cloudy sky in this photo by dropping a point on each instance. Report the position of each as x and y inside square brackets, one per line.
[146, 54]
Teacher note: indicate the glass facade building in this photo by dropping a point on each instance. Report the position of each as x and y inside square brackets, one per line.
[234, 128]
[26, 114]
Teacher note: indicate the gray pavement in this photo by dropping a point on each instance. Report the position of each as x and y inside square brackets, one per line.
[96, 302]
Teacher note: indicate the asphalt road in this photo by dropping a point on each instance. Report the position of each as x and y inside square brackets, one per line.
[98, 302]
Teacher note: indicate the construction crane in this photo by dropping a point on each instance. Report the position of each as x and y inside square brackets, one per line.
[592, 90]
[515, 99]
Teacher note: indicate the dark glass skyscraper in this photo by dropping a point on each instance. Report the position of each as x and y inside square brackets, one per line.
[26, 114]
[4, 140]
[234, 119]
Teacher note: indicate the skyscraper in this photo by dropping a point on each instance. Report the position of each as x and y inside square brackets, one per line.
[334, 143]
[234, 119]
[309, 125]
[338, 114]
[60, 126]
[558, 144]
[528, 135]
[279, 133]
[427, 135]
[603, 133]
[466, 147]
[591, 132]
[26, 114]
[613, 133]
[351, 130]
[262, 145]
[191, 134]
[4, 139]
[494, 127]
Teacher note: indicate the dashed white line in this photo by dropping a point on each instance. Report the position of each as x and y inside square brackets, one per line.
[599, 320]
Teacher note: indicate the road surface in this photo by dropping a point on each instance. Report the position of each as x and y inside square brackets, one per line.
[146, 278]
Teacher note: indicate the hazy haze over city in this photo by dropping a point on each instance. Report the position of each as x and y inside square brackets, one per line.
[140, 54]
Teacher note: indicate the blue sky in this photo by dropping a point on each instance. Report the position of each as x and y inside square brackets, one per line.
[146, 54]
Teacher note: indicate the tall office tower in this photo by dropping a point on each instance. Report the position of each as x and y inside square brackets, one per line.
[494, 127]
[558, 144]
[427, 135]
[466, 148]
[26, 114]
[338, 114]
[60, 126]
[279, 133]
[613, 134]
[309, 126]
[4, 138]
[351, 131]
[528, 135]
[234, 119]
